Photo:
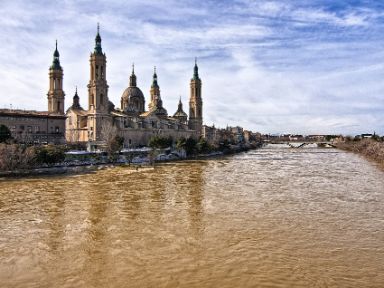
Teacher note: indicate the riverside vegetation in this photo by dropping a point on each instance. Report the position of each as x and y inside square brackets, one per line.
[20, 156]
[372, 148]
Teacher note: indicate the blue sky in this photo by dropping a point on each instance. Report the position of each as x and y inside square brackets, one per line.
[270, 66]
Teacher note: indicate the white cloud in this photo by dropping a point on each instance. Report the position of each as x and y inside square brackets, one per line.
[270, 66]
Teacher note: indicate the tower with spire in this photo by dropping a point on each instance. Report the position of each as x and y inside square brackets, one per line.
[195, 102]
[154, 92]
[98, 102]
[156, 104]
[98, 87]
[56, 95]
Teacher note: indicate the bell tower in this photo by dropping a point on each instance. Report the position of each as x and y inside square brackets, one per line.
[195, 103]
[98, 102]
[98, 87]
[154, 92]
[55, 93]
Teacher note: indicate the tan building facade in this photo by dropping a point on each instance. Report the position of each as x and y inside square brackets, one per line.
[34, 127]
[130, 120]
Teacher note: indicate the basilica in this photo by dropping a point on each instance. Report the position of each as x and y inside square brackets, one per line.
[131, 120]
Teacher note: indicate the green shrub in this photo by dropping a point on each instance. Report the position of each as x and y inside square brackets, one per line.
[160, 142]
[50, 154]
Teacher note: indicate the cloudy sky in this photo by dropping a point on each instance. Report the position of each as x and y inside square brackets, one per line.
[297, 66]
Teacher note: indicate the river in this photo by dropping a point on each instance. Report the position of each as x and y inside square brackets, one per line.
[273, 217]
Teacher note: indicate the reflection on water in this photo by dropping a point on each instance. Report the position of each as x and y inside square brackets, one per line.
[273, 217]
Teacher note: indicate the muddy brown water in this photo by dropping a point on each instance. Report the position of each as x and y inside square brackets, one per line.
[274, 217]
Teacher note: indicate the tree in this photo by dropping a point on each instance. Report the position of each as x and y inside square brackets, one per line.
[203, 146]
[112, 140]
[50, 154]
[180, 143]
[158, 142]
[5, 134]
[190, 146]
[15, 156]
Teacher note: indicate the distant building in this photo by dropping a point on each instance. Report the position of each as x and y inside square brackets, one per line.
[366, 136]
[41, 126]
[34, 127]
[131, 120]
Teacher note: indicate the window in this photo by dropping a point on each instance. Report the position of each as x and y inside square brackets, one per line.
[101, 99]
[57, 130]
[37, 129]
[29, 129]
[21, 127]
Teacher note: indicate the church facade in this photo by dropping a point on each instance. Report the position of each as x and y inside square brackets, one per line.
[131, 120]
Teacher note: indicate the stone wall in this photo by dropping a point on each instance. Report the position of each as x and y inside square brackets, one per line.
[141, 137]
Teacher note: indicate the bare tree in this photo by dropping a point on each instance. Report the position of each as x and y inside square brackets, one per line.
[110, 137]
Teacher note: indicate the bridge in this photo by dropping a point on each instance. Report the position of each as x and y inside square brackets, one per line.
[301, 144]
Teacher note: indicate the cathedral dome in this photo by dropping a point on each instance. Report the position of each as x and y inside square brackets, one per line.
[133, 98]
[132, 92]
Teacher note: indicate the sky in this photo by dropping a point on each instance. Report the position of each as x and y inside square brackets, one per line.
[288, 66]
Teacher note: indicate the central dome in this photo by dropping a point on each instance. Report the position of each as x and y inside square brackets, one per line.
[132, 92]
[132, 99]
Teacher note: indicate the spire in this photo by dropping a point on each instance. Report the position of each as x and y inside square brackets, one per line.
[98, 49]
[132, 78]
[76, 101]
[196, 71]
[56, 53]
[56, 59]
[154, 82]
[180, 114]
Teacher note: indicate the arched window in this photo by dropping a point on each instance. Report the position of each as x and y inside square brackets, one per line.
[58, 105]
[101, 99]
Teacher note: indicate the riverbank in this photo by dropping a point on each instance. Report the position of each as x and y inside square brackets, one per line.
[135, 160]
[371, 149]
